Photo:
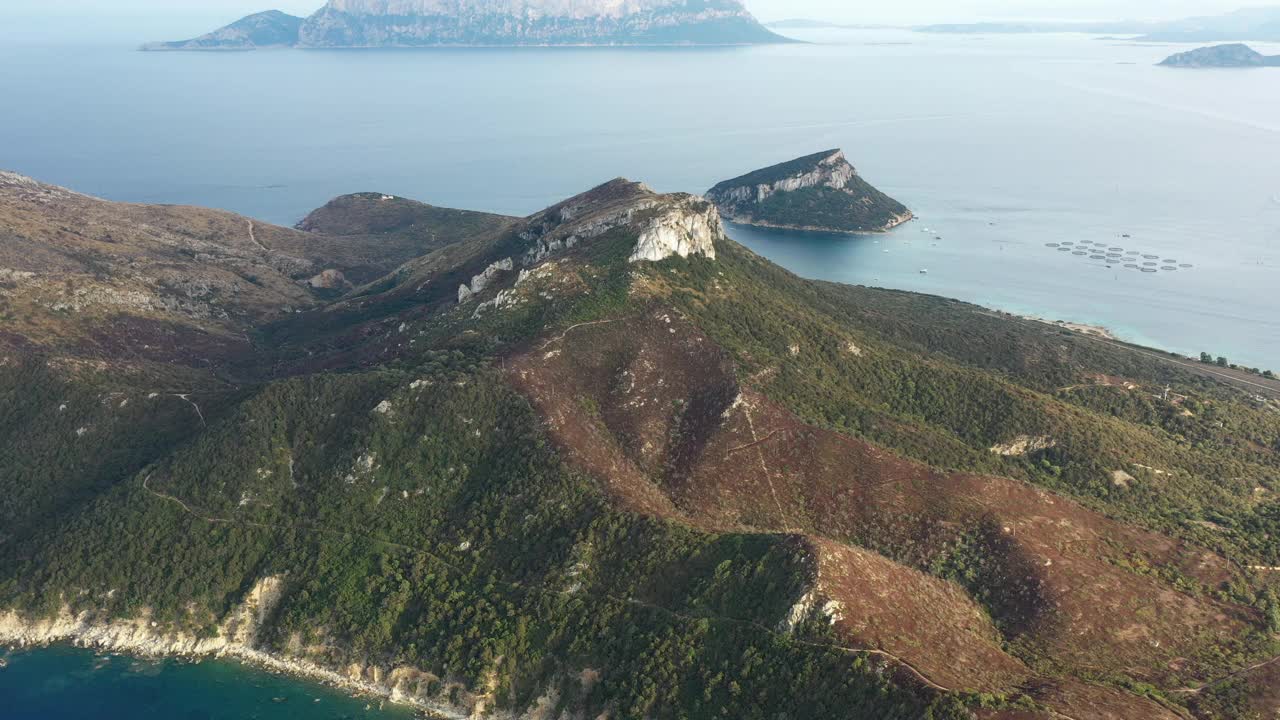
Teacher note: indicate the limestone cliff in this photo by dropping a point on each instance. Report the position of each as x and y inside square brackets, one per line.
[664, 226]
[820, 192]
[689, 226]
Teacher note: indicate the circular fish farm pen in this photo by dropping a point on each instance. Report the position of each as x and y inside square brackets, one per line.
[1117, 256]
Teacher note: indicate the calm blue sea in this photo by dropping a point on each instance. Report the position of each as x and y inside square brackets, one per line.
[1003, 145]
[71, 684]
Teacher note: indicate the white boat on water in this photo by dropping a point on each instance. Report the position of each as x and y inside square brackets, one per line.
[924, 272]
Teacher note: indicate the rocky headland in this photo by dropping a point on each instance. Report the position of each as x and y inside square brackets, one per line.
[820, 192]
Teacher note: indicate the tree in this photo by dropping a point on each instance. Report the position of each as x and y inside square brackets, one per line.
[1271, 610]
[1206, 358]
[1222, 362]
[1268, 374]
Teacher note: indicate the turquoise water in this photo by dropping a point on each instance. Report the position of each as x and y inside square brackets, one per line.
[72, 684]
[1002, 144]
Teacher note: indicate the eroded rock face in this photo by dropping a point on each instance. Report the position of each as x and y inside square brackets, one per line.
[691, 227]
[831, 170]
[1024, 445]
[329, 280]
[484, 279]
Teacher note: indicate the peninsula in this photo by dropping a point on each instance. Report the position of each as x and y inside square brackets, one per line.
[602, 461]
[820, 192]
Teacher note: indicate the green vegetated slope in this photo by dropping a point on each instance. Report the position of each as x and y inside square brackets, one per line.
[422, 515]
[385, 231]
[444, 534]
[856, 208]
[944, 382]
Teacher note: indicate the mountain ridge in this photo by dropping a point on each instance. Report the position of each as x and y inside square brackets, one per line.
[445, 23]
[677, 482]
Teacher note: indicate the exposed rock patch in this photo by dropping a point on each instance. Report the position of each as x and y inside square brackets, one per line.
[1024, 445]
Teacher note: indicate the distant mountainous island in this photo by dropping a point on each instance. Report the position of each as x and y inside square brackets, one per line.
[1259, 24]
[820, 192]
[435, 23]
[1222, 56]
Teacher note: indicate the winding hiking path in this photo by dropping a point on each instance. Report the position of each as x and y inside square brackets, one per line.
[253, 236]
[1239, 673]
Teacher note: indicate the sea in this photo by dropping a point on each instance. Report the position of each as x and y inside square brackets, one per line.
[1040, 166]
[1003, 145]
[73, 684]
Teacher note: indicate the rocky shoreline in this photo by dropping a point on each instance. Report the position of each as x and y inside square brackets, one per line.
[237, 641]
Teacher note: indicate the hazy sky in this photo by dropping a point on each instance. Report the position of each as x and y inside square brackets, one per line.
[182, 18]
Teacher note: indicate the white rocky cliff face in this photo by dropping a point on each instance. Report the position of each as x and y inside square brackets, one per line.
[833, 171]
[663, 226]
[691, 227]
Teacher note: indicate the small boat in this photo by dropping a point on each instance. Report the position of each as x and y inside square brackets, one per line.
[924, 272]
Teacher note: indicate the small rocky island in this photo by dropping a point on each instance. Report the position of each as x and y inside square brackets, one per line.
[485, 23]
[1236, 55]
[820, 192]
